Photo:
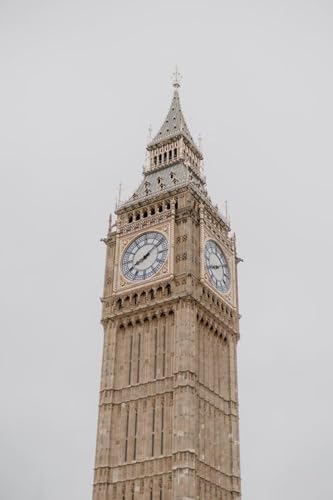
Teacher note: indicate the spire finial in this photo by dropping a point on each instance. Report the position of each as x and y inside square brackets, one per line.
[150, 131]
[110, 223]
[200, 142]
[176, 78]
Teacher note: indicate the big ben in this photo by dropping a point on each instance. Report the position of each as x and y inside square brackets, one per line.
[168, 409]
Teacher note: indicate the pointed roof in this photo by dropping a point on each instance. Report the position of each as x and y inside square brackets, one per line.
[174, 124]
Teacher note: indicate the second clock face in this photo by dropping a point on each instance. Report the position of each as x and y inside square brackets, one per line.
[145, 256]
[217, 267]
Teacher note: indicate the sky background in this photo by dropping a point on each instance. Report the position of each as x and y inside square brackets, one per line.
[80, 83]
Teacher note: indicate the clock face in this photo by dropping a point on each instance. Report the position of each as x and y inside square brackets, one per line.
[145, 256]
[217, 267]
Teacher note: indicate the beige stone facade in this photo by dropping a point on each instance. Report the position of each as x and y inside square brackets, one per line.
[168, 411]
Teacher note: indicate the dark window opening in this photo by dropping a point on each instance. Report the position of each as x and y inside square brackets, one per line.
[162, 432]
[126, 436]
[135, 436]
[138, 365]
[153, 433]
[164, 351]
[130, 361]
[155, 353]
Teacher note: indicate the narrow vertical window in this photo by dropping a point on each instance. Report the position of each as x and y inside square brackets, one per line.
[220, 366]
[126, 435]
[139, 354]
[153, 433]
[130, 360]
[151, 494]
[164, 351]
[203, 355]
[155, 353]
[162, 429]
[135, 432]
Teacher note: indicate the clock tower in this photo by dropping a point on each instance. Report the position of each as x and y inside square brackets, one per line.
[168, 408]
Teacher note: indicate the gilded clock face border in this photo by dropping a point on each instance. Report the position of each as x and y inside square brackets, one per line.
[125, 240]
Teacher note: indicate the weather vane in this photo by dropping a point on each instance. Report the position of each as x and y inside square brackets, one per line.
[176, 76]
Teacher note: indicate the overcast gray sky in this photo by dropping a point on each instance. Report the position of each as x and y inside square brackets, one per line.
[80, 82]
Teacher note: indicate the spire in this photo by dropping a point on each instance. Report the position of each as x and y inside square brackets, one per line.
[174, 125]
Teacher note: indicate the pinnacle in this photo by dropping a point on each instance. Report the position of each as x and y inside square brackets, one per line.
[174, 124]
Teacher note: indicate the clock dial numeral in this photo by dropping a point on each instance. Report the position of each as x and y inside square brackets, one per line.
[145, 256]
[217, 266]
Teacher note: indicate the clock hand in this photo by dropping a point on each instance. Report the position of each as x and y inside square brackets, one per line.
[214, 267]
[142, 258]
[146, 255]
